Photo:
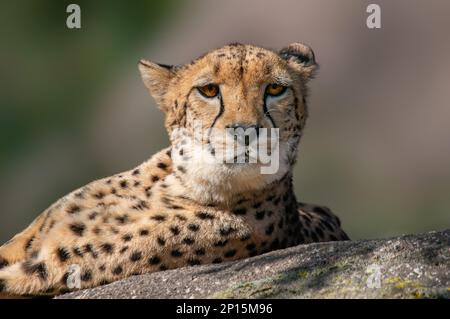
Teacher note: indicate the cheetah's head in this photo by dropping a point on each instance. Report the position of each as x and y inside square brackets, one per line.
[240, 87]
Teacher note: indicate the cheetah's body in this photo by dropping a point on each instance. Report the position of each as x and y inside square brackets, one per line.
[172, 211]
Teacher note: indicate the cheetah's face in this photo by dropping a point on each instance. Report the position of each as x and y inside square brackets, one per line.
[237, 86]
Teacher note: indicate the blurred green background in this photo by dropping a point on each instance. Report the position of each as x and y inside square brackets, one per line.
[377, 145]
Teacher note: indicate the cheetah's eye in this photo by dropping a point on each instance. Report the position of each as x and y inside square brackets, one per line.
[274, 89]
[209, 90]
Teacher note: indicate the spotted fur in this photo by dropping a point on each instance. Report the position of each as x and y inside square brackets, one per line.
[175, 210]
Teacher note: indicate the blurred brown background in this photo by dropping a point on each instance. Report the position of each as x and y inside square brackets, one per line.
[377, 145]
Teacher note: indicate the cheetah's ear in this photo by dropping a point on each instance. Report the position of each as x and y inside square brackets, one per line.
[156, 78]
[301, 57]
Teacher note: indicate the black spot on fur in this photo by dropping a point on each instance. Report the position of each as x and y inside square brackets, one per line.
[230, 253]
[193, 227]
[93, 215]
[269, 229]
[200, 252]
[27, 244]
[79, 194]
[123, 249]
[245, 237]
[136, 172]
[155, 178]
[73, 209]
[240, 211]
[162, 165]
[188, 241]
[176, 253]
[86, 275]
[217, 260]
[175, 230]
[225, 231]
[127, 237]
[78, 252]
[99, 195]
[216, 68]
[123, 184]
[260, 215]
[141, 205]
[107, 248]
[63, 254]
[77, 228]
[143, 232]
[39, 269]
[123, 219]
[117, 270]
[204, 215]
[221, 243]
[159, 218]
[136, 256]
[154, 260]
[161, 241]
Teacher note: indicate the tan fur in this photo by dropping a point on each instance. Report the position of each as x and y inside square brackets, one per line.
[176, 209]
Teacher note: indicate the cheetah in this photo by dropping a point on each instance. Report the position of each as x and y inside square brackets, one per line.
[177, 208]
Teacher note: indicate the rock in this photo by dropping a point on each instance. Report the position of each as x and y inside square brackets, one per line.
[412, 266]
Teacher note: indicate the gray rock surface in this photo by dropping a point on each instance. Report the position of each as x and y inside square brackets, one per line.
[411, 266]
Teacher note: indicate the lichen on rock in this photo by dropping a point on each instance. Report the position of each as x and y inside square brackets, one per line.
[411, 266]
